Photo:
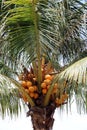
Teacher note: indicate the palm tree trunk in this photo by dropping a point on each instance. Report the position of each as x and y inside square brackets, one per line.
[42, 118]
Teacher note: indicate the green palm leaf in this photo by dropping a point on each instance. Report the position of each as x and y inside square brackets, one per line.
[9, 100]
[10, 94]
[59, 29]
[76, 72]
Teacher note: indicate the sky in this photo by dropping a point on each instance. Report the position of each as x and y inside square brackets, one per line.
[63, 121]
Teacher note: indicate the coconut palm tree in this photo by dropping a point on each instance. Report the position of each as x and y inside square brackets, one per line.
[43, 59]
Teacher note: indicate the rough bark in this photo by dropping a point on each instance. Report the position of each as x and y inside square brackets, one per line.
[42, 118]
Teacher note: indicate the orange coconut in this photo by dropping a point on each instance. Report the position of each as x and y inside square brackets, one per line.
[31, 89]
[29, 83]
[35, 88]
[36, 95]
[47, 81]
[24, 84]
[44, 90]
[43, 85]
[31, 94]
[47, 76]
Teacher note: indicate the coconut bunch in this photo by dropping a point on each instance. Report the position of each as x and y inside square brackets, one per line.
[29, 81]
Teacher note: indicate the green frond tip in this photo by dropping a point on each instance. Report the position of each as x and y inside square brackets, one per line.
[8, 84]
[18, 2]
[9, 105]
[9, 100]
[76, 72]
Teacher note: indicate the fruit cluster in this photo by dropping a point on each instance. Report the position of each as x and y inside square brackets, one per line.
[30, 84]
[46, 84]
[30, 89]
[61, 100]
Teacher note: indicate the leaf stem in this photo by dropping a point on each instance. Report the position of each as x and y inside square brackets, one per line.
[38, 46]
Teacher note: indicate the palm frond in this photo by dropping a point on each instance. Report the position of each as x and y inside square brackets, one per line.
[18, 29]
[75, 78]
[9, 100]
[10, 94]
[61, 27]
[76, 72]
